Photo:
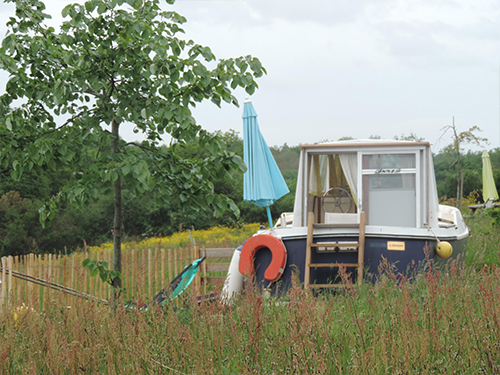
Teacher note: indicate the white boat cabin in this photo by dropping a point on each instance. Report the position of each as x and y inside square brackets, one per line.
[393, 182]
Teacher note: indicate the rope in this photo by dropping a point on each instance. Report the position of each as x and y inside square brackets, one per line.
[434, 234]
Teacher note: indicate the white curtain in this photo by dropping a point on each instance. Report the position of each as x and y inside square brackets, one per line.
[319, 175]
[350, 166]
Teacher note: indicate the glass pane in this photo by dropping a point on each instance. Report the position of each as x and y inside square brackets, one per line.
[391, 200]
[389, 161]
[392, 181]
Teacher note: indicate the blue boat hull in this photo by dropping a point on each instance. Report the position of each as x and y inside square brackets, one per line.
[405, 262]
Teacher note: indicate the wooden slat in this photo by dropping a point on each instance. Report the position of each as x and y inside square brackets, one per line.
[163, 278]
[212, 281]
[335, 244]
[150, 273]
[226, 252]
[29, 266]
[19, 283]
[197, 277]
[204, 269]
[85, 274]
[332, 265]
[64, 278]
[217, 267]
[144, 285]
[10, 265]
[4, 282]
[169, 261]
[157, 269]
[176, 262]
[72, 283]
[133, 275]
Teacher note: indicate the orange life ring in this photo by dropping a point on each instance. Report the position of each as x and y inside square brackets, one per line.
[254, 244]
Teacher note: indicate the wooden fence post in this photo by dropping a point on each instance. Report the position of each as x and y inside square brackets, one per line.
[19, 283]
[163, 277]
[10, 265]
[204, 268]
[133, 276]
[150, 278]
[157, 269]
[4, 286]
[73, 280]
[197, 278]
[169, 260]
[107, 292]
[144, 286]
[29, 286]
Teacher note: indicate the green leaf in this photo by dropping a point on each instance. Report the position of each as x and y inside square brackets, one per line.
[250, 89]
[66, 10]
[63, 149]
[126, 169]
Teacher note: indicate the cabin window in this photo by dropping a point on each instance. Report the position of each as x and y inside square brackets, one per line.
[389, 189]
[332, 184]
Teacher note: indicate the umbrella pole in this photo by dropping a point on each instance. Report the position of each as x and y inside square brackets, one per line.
[269, 217]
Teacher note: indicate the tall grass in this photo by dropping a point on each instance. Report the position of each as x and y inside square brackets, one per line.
[484, 242]
[439, 321]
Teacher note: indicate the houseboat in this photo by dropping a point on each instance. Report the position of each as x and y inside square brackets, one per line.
[357, 203]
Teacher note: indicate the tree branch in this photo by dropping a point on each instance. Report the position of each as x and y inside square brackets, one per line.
[146, 150]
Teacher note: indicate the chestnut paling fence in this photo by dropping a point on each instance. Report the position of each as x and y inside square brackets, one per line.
[145, 273]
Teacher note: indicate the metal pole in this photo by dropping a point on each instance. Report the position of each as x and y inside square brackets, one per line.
[269, 217]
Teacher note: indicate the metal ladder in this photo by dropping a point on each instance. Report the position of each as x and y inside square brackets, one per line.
[360, 245]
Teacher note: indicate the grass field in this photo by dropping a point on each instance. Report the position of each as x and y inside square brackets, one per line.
[441, 321]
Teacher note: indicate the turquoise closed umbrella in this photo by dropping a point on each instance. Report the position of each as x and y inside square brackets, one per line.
[263, 182]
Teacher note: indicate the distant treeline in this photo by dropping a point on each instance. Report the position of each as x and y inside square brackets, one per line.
[20, 231]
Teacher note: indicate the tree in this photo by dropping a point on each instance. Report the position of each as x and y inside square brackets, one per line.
[113, 64]
[456, 147]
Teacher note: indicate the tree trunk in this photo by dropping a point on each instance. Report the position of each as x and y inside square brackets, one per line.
[459, 182]
[117, 222]
[460, 199]
[458, 203]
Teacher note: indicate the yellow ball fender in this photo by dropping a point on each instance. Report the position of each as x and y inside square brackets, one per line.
[444, 249]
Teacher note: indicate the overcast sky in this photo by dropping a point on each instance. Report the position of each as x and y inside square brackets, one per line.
[340, 68]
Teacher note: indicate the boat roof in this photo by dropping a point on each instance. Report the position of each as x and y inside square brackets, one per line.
[358, 143]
